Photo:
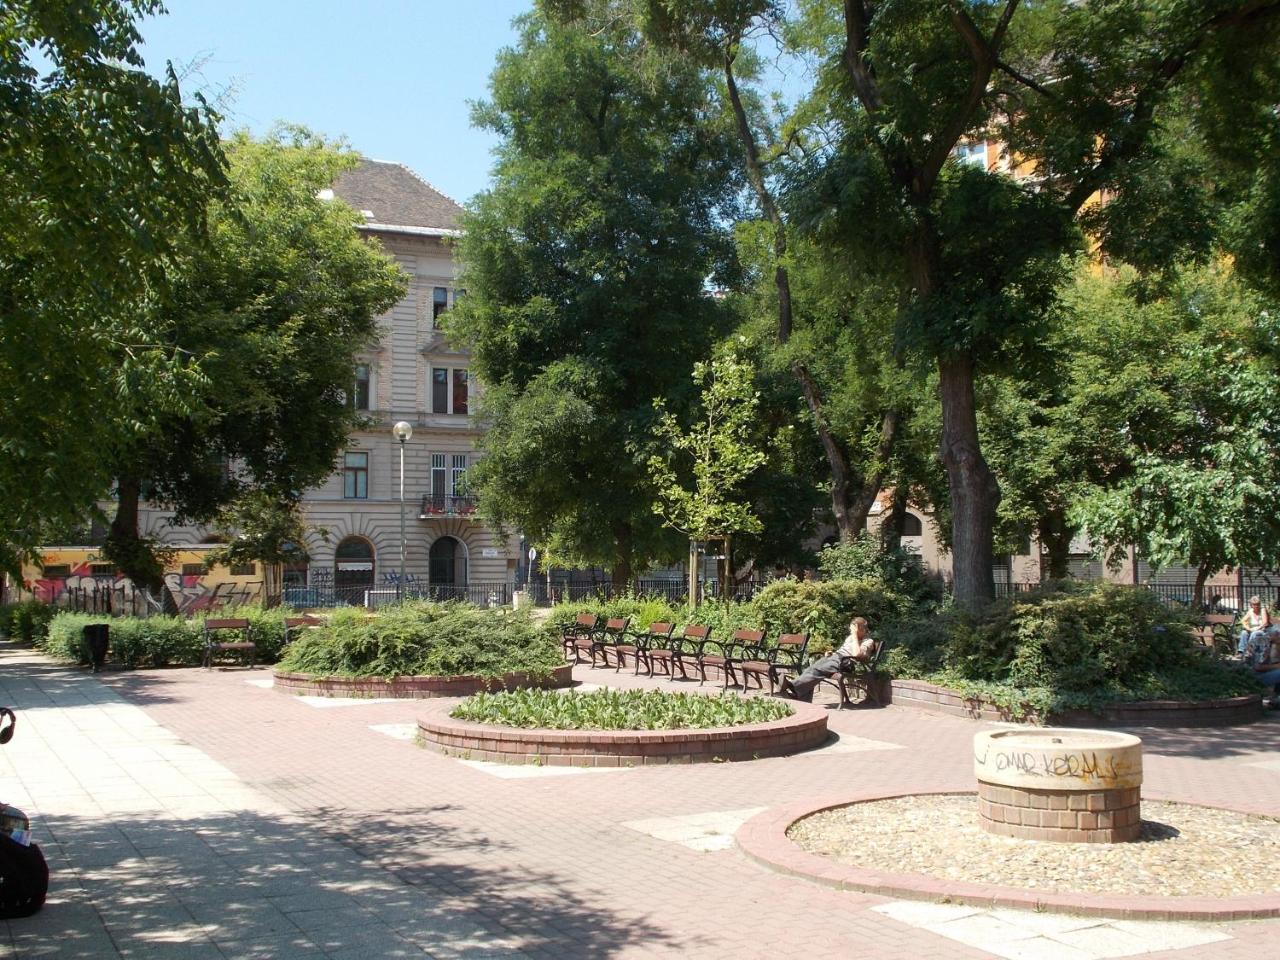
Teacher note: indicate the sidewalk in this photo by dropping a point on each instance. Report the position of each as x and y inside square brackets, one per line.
[191, 813]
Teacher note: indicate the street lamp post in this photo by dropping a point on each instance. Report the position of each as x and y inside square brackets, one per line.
[403, 430]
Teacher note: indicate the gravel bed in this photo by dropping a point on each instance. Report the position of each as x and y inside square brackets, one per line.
[1184, 850]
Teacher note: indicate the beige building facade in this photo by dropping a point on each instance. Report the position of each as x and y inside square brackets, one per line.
[408, 373]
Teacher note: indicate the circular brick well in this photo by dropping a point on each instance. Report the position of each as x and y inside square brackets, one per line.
[1069, 786]
[804, 729]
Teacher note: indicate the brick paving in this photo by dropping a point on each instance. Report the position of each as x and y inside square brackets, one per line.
[192, 813]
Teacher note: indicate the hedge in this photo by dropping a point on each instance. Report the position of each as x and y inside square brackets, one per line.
[159, 641]
[26, 621]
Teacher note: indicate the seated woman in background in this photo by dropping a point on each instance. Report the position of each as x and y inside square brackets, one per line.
[1255, 620]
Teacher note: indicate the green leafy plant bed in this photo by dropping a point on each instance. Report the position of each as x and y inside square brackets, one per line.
[158, 641]
[613, 728]
[618, 710]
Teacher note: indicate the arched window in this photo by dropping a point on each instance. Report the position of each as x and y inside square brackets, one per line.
[911, 526]
[353, 569]
[447, 563]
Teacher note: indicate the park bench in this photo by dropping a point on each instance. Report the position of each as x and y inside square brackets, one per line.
[293, 626]
[855, 674]
[657, 637]
[613, 634]
[630, 645]
[581, 636]
[681, 649]
[213, 646]
[743, 646]
[786, 656]
[1215, 633]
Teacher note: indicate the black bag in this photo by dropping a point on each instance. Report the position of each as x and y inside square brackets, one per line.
[24, 878]
[849, 664]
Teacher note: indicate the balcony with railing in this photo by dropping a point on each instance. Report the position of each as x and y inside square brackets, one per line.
[439, 506]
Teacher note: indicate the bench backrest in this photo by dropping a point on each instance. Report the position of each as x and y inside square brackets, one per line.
[587, 620]
[307, 621]
[797, 640]
[1219, 619]
[751, 638]
[617, 624]
[661, 628]
[238, 623]
[696, 631]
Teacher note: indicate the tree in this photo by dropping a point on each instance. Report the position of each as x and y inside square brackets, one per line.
[104, 174]
[258, 528]
[587, 268]
[1187, 389]
[1077, 92]
[271, 313]
[717, 453]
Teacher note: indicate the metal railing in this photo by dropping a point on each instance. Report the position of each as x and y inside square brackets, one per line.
[442, 505]
[479, 593]
[673, 591]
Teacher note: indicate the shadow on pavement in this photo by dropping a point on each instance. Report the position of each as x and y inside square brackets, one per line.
[394, 884]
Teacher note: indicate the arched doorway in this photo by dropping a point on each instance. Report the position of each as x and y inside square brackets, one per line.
[447, 563]
[353, 569]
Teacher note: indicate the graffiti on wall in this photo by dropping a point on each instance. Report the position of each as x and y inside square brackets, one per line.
[84, 588]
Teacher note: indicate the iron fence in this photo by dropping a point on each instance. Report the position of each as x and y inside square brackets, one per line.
[480, 593]
[673, 591]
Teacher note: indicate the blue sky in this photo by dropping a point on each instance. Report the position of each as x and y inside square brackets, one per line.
[392, 76]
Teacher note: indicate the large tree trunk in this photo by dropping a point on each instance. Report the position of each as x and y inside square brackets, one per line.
[1055, 541]
[1197, 595]
[975, 494]
[125, 548]
[620, 576]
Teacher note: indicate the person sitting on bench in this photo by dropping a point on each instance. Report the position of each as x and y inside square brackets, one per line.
[857, 645]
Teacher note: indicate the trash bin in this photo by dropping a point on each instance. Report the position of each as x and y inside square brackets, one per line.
[97, 637]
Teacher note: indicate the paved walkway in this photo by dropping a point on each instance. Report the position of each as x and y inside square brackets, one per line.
[194, 814]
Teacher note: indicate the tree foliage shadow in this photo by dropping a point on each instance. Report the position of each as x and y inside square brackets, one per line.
[161, 884]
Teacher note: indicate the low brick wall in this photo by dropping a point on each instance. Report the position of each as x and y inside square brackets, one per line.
[1151, 713]
[1065, 816]
[805, 729]
[411, 688]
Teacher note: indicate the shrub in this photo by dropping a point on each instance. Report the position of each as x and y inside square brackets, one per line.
[423, 639]
[642, 610]
[1074, 647]
[823, 608]
[898, 571]
[26, 621]
[617, 710]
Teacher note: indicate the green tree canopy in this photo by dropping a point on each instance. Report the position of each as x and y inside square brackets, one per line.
[272, 313]
[587, 267]
[105, 174]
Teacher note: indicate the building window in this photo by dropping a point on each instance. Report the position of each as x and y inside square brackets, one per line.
[438, 475]
[355, 476]
[439, 302]
[55, 571]
[102, 569]
[193, 569]
[974, 153]
[449, 390]
[459, 391]
[360, 392]
[456, 482]
[439, 390]
[911, 525]
[243, 569]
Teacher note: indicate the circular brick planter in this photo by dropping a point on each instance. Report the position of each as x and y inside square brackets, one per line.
[1229, 711]
[764, 839]
[410, 688]
[804, 729]
[1051, 783]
